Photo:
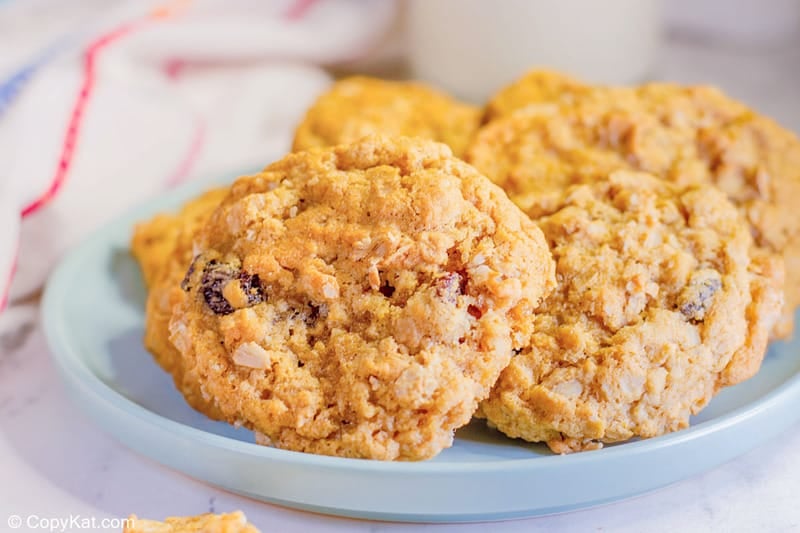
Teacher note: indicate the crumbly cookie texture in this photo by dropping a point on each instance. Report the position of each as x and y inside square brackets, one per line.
[359, 106]
[163, 246]
[682, 134]
[535, 87]
[234, 522]
[659, 304]
[359, 301]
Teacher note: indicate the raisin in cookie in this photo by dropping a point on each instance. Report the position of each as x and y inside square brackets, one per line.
[682, 134]
[659, 304]
[163, 247]
[360, 300]
[234, 522]
[358, 106]
[535, 87]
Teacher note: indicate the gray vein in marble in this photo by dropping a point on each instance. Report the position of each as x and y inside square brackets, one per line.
[13, 409]
[12, 340]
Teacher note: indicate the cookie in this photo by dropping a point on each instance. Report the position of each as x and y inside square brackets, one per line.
[163, 247]
[681, 134]
[535, 87]
[360, 300]
[658, 305]
[234, 522]
[359, 106]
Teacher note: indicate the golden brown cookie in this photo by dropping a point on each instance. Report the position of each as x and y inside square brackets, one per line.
[163, 247]
[234, 522]
[682, 134]
[360, 300]
[535, 87]
[658, 305]
[359, 106]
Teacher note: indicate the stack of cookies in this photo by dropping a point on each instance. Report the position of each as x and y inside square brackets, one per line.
[578, 265]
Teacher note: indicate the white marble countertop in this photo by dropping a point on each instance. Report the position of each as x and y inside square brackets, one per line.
[56, 463]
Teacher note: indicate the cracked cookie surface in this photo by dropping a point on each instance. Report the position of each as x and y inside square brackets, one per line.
[387, 283]
[659, 304]
[681, 134]
[163, 246]
[535, 87]
[359, 106]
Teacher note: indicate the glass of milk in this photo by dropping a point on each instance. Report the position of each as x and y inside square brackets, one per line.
[474, 47]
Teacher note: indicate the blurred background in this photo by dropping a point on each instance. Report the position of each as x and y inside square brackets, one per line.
[107, 102]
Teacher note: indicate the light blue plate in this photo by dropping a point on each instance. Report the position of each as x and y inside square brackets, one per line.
[93, 314]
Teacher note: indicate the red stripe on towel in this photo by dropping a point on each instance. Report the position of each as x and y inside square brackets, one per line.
[76, 117]
[185, 166]
[79, 108]
[298, 9]
[7, 289]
